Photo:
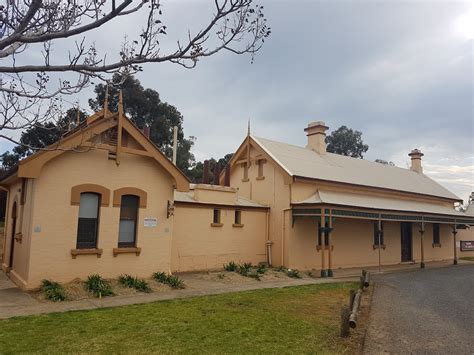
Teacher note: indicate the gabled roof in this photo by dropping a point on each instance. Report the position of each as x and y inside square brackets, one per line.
[306, 163]
[83, 136]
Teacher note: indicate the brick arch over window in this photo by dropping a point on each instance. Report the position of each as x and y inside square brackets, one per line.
[129, 191]
[98, 189]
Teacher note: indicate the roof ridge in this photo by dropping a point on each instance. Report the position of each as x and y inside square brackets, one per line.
[300, 161]
[342, 156]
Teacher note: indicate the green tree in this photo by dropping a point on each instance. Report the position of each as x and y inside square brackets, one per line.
[346, 141]
[145, 108]
[40, 136]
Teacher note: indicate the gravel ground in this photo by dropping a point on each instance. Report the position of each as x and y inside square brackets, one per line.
[428, 311]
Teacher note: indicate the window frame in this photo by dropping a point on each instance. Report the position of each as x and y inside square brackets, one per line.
[245, 177]
[135, 231]
[436, 237]
[260, 174]
[82, 245]
[216, 222]
[237, 218]
[216, 216]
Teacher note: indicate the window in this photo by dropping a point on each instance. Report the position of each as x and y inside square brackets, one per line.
[217, 216]
[376, 234]
[260, 169]
[238, 217]
[326, 234]
[436, 239]
[128, 221]
[24, 185]
[246, 172]
[88, 223]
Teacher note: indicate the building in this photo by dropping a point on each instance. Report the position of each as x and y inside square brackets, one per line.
[105, 200]
[329, 211]
[101, 200]
[465, 235]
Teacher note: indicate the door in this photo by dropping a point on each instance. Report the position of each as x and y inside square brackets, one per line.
[12, 238]
[406, 241]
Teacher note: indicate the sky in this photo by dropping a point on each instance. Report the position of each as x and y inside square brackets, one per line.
[401, 72]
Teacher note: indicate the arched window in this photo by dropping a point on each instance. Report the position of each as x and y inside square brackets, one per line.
[88, 223]
[128, 221]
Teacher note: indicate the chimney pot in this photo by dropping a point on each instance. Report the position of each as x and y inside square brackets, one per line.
[146, 131]
[205, 173]
[316, 132]
[217, 173]
[415, 156]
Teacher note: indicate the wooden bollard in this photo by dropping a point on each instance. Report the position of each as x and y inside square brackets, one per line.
[345, 314]
[355, 309]
[352, 294]
[366, 279]
[361, 282]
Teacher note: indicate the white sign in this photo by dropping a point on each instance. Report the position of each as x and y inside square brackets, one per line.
[150, 222]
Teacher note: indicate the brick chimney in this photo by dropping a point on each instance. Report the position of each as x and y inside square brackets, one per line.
[415, 156]
[316, 132]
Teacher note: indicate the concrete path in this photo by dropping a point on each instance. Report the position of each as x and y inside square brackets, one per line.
[14, 302]
[424, 312]
[12, 298]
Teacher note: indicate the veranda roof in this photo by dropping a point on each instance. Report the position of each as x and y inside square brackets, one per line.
[379, 203]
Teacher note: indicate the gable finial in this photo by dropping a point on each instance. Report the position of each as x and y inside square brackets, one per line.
[106, 100]
[248, 128]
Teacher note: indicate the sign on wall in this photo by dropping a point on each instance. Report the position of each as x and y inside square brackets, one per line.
[467, 245]
[150, 222]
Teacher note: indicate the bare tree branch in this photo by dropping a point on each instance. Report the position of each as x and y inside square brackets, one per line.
[237, 26]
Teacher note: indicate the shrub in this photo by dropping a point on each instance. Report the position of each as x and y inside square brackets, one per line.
[172, 281]
[98, 286]
[160, 277]
[261, 269]
[232, 267]
[53, 291]
[175, 282]
[244, 269]
[281, 269]
[134, 282]
[293, 273]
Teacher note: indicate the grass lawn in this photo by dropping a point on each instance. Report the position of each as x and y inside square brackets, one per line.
[302, 319]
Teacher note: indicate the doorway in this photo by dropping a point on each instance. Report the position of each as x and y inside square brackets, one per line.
[406, 241]
[12, 238]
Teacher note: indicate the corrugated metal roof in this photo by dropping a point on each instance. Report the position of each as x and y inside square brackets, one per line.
[304, 162]
[188, 197]
[470, 209]
[379, 203]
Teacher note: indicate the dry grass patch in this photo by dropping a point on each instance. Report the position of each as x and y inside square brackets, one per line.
[75, 290]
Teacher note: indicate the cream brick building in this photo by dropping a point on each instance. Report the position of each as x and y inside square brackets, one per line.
[109, 202]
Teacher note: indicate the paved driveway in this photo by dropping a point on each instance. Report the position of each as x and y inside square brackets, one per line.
[426, 311]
